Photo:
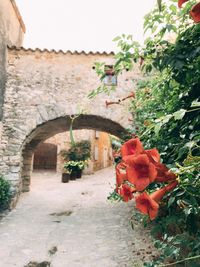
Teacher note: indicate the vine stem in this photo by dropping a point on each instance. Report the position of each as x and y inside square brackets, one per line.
[191, 110]
[72, 117]
[148, 130]
[186, 259]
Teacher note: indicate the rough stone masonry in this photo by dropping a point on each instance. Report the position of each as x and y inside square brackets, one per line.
[43, 89]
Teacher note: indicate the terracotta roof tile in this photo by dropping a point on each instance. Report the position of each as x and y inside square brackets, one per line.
[59, 51]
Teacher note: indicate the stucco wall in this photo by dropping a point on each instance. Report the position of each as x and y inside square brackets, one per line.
[102, 150]
[11, 33]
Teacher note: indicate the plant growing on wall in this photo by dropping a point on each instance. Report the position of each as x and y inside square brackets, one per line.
[5, 193]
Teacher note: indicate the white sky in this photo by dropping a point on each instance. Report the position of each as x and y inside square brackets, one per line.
[88, 25]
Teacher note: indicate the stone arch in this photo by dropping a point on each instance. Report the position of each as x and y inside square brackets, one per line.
[59, 125]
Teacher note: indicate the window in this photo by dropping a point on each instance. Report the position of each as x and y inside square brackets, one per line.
[110, 77]
[96, 134]
[96, 153]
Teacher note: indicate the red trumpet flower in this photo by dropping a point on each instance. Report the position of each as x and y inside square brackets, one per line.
[181, 2]
[132, 147]
[159, 194]
[195, 13]
[120, 174]
[126, 192]
[148, 204]
[163, 173]
[140, 171]
[153, 155]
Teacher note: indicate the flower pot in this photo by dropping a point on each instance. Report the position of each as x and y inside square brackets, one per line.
[65, 177]
[78, 174]
[73, 175]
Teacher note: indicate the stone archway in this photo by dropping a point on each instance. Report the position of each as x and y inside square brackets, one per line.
[62, 124]
[43, 88]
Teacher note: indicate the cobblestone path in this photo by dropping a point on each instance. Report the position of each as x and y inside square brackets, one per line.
[72, 225]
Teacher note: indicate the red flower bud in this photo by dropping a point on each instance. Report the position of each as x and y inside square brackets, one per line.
[195, 13]
[120, 174]
[181, 2]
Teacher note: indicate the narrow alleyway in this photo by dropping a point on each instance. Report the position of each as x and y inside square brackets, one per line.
[72, 224]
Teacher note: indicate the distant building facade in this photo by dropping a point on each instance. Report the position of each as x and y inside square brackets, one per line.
[48, 153]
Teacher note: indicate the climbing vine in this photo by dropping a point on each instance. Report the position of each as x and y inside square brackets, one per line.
[166, 117]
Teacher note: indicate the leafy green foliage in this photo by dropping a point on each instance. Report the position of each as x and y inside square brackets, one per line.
[177, 228]
[168, 117]
[114, 197]
[79, 151]
[75, 165]
[166, 113]
[5, 193]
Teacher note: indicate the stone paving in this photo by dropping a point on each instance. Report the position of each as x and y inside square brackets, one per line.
[72, 224]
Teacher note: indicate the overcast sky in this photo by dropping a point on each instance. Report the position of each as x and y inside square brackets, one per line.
[88, 25]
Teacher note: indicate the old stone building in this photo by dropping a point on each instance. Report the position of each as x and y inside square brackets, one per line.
[12, 30]
[48, 154]
[42, 90]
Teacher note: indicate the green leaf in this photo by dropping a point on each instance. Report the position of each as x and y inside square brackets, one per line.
[157, 128]
[173, 8]
[116, 39]
[195, 104]
[171, 201]
[178, 115]
[190, 144]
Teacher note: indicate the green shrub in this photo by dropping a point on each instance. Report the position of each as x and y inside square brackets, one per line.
[5, 193]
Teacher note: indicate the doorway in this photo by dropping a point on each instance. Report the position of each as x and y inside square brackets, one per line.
[45, 157]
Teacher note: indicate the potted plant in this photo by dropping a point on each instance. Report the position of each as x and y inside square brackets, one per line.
[75, 168]
[65, 176]
[76, 158]
[79, 151]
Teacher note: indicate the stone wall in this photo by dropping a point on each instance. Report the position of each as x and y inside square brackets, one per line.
[43, 90]
[11, 33]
